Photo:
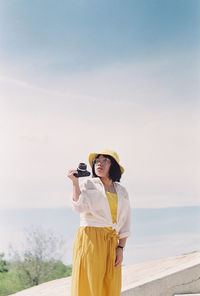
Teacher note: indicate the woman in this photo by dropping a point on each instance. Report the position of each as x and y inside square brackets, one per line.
[104, 208]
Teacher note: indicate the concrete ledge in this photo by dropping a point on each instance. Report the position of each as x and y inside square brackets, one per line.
[172, 276]
[164, 277]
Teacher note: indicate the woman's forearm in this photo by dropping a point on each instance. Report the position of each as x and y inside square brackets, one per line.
[76, 190]
[122, 241]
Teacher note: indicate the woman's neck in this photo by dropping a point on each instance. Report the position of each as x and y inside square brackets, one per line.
[108, 185]
[106, 181]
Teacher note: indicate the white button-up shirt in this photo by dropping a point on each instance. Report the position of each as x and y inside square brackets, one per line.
[94, 208]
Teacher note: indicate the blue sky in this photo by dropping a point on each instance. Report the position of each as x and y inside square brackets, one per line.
[80, 76]
[83, 35]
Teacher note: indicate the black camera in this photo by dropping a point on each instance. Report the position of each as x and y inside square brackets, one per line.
[82, 171]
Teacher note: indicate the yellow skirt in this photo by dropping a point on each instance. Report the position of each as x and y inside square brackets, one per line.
[93, 271]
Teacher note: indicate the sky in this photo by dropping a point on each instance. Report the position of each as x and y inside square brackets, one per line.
[80, 76]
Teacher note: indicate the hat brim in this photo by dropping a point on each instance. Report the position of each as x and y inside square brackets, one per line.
[92, 156]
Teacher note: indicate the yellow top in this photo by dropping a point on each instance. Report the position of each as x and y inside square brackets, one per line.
[112, 199]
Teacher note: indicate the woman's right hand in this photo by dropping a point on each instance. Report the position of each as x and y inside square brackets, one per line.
[71, 176]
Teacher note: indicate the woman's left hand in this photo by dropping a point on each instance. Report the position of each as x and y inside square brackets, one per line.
[119, 257]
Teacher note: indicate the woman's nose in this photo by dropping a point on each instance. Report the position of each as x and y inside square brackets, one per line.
[99, 164]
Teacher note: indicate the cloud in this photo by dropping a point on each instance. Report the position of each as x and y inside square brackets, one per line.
[52, 125]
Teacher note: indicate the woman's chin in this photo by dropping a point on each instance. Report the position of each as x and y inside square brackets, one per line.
[99, 174]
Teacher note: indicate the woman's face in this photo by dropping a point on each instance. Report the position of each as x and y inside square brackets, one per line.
[102, 166]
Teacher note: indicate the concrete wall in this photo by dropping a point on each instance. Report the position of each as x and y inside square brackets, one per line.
[185, 281]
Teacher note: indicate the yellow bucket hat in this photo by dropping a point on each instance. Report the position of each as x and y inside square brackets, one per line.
[112, 153]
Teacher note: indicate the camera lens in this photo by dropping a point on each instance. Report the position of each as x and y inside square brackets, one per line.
[82, 166]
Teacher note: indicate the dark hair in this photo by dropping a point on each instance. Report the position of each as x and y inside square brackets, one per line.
[114, 171]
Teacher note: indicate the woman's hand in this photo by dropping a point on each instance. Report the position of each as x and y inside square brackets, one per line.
[119, 257]
[71, 176]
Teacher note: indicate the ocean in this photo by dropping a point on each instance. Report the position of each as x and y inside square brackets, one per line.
[155, 232]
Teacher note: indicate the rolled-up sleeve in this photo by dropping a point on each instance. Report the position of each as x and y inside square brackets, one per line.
[126, 226]
[81, 205]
